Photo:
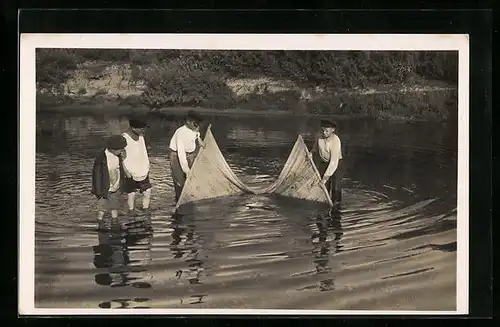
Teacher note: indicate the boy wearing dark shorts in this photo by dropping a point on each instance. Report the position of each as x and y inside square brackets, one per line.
[136, 165]
[107, 176]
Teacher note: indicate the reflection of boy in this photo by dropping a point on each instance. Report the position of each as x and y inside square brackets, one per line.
[183, 146]
[136, 165]
[111, 254]
[107, 176]
[327, 156]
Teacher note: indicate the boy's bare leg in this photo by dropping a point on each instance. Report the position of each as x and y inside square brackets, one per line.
[131, 201]
[114, 214]
[101, 223]
[146, 199]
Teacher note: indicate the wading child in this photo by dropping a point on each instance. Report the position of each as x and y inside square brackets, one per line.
[107, 176]
[183, 149]
[327, 156]
[136, 165]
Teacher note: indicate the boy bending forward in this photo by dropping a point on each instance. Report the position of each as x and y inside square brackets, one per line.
[107, 176]
[327, 156]
[136, 165]
[183, 149]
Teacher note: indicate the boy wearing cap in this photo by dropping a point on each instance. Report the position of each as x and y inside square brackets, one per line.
[327, 156]
[107, 176]
[136, 165]
[183, 146]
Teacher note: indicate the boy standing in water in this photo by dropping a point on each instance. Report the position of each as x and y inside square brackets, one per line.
[327, 156]
[107, 176]
[183, 148]
[136, 165]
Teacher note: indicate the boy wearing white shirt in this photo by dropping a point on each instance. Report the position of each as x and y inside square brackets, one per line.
[136, 165]
[107, 176]
[327, 156]
[183, 149]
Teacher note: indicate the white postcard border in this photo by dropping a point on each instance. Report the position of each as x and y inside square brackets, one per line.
[394, 42]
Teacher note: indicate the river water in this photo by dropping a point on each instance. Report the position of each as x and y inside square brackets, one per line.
[392, 246]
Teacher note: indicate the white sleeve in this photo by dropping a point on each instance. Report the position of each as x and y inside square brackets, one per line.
[181, 153]
[334, 158]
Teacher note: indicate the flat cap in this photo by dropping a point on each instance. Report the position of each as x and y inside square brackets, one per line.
[116, 142]
[136, 122]
[327, 123]
[193, 115]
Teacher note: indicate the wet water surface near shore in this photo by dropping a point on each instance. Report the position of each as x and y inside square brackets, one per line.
[391, 247]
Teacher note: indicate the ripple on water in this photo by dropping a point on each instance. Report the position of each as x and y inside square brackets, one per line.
[241, 252]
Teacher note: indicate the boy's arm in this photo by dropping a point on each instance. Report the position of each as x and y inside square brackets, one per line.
[127, 173]
[200, 141]
[334, 160]
[181, 154]
[97, 179]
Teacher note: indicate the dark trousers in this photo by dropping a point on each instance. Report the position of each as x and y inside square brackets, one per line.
[178, 175]
[333, 185]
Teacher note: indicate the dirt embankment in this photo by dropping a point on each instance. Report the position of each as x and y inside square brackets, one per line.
[102, 87]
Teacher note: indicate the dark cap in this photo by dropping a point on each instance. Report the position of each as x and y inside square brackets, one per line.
[194, 116]
[136, 122]
[116, 142]
[328, 123]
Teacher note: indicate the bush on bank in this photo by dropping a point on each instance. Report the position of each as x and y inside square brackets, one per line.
[199, 78]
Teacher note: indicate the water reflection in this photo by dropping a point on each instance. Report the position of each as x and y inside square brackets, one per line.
[236, 250]
[121, 255]
[324, 246]
[196, 299]
[124, 304]
[404, 154]
[185, 243]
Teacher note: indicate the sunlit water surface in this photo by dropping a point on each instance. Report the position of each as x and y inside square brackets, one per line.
[392, 246]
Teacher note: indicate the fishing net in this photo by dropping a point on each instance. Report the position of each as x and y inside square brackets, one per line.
[300, 178]
[212, 177]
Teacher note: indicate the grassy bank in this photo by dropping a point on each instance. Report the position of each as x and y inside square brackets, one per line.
[375, 85]
[431, 105]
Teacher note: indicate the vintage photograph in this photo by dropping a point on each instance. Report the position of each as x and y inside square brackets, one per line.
[301, 179]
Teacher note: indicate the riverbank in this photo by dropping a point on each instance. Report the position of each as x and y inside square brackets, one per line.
[171, 112]
[120, 109]
[373, 85]
[431, 104]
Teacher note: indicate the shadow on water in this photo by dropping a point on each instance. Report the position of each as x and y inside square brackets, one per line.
[123, 252]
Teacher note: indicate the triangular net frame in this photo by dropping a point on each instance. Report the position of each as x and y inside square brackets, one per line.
[212, 177]
[300, 178]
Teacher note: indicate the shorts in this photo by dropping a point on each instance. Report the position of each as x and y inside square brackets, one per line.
[130, 185]
[113, 202]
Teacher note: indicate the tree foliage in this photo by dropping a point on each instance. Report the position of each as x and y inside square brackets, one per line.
[198, 77]
[338, 68]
